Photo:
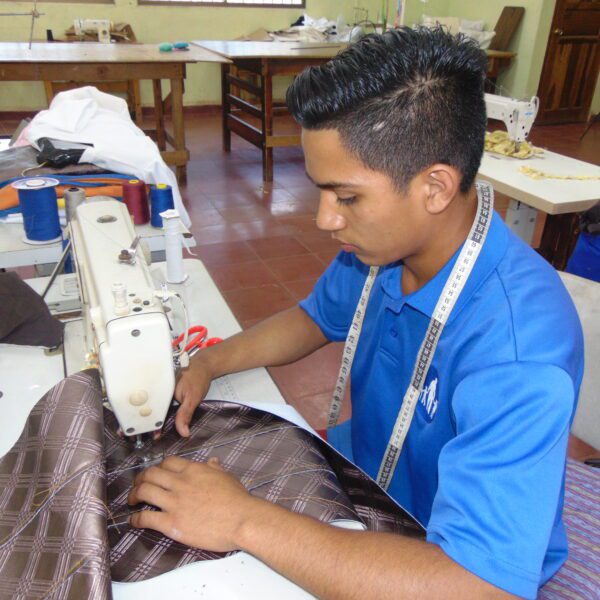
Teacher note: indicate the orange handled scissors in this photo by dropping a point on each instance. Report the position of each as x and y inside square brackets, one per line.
[196, 338]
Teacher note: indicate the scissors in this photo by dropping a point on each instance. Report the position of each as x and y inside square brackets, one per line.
[198, 340]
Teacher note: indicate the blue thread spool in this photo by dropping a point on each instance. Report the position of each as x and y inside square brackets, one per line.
[161, 199]
[38, 203]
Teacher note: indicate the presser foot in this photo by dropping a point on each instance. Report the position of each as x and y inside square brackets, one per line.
[145, 451]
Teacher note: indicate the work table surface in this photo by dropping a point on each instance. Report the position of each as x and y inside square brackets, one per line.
[276, 50]
[92, 52]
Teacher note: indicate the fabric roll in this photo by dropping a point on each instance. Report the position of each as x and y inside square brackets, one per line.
[53, 537]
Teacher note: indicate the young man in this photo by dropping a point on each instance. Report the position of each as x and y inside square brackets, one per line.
[392, 131]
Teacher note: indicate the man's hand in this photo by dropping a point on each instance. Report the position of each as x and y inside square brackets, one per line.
[200, 504]
[192, 386]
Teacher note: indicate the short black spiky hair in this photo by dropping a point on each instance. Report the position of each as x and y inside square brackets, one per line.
[401, 102]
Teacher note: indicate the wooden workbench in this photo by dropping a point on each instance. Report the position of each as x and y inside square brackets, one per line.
[264, 60]
[267, 60]
[84, 62]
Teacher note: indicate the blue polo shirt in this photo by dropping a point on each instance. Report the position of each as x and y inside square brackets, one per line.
[482, 467]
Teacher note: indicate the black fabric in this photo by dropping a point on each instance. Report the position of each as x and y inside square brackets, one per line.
[25, 319]
[15, 160]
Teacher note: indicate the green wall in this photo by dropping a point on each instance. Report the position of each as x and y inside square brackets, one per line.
[155, 24]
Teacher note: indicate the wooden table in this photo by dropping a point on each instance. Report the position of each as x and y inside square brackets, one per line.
[498, 60]
[84, 62]
[264, 60]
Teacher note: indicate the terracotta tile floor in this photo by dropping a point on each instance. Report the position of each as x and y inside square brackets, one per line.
[262, 247]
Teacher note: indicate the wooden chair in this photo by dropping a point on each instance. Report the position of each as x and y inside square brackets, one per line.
[507, 25]
[498, 54]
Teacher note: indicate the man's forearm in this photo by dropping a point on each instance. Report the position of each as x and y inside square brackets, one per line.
[333, 563]
[279, 340]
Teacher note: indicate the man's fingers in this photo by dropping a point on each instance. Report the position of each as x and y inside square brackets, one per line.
[184, 415]
[157, 476]
[151, 519]
[175, 464]
[214, 463]
[150, 494]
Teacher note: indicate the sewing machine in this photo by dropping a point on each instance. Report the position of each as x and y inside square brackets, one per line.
[517, 115]
[26, 373]
[127, 333]
[101, 27]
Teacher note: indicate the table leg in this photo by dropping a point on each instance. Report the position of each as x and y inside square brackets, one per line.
[225, 106]
[521, 219]
[159, 114]
[178, 129]
[267, 120]
[133, 87]
[559, 239]
[49, 91]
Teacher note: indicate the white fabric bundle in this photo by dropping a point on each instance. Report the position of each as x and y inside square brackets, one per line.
[88, 116]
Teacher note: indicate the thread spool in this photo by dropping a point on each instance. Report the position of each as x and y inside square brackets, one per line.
[161, 199]
[173, 253]
[39, 207]
[136, 200]
[74, 196]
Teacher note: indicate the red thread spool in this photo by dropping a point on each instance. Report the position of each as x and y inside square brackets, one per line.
[136, 200]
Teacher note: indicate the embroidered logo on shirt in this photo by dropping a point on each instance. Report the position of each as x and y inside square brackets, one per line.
[428, 402]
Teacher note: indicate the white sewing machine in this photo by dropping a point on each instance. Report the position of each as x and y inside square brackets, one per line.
[125, 326]
[26, 373]
[101, 27]
[517, 115]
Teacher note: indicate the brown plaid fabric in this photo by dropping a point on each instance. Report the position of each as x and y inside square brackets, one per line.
[53, 539]
[273, 458]
[66, 450]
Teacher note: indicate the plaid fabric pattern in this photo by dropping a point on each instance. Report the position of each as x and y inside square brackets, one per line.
[64, 486]
[53, 539]
[273, 458]
[63, 489]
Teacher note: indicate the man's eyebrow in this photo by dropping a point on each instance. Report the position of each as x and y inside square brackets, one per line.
[331, 185]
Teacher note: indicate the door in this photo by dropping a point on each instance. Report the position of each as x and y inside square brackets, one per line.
[570, 68]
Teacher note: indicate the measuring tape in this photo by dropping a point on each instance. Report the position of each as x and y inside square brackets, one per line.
[452, 289]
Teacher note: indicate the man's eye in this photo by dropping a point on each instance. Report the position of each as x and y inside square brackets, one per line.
[346, 201]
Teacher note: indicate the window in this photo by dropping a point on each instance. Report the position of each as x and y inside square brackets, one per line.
[255, 3]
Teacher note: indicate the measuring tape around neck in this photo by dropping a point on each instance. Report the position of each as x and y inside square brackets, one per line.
[452, 289]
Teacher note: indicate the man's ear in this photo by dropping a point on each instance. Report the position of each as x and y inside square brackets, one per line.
[441, 184]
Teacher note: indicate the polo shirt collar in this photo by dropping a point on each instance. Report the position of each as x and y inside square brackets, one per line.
[425, 299]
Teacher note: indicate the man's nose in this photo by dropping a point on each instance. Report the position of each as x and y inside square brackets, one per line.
[328, 215]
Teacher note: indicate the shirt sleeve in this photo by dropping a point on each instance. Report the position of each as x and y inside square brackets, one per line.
[332, 302]
[501, 479]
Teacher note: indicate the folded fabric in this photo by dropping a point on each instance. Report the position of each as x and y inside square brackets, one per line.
[96, 185]
[13, 161]
[88, 116]
[25, 319]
